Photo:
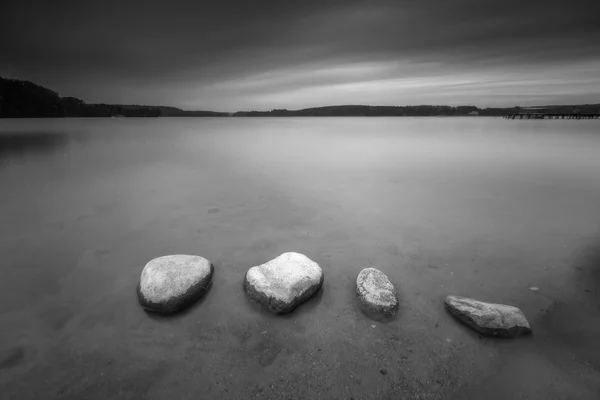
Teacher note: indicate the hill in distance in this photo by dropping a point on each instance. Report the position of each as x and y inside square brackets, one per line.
[24, 99]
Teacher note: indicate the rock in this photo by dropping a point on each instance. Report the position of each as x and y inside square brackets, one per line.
[285, 282]
[488, 318]
[376, 293]
[170, 283]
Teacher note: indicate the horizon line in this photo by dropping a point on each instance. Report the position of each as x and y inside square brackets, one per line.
[308, 108]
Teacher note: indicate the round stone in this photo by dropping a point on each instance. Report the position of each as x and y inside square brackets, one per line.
[170, 283]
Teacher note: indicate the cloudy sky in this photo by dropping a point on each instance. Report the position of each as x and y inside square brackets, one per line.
[252, 54]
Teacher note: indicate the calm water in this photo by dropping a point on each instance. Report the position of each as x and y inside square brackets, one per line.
[480, 207]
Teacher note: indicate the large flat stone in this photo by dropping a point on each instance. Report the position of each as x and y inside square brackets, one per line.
[488, 318]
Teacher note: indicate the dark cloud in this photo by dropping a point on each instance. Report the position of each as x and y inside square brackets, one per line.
[242, 54]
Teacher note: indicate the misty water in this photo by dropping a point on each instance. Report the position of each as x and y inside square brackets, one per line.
[479, 207]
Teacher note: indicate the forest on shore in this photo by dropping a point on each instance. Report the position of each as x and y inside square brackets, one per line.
[24, 99]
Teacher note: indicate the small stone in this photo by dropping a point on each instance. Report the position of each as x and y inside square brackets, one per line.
[376, 293]
[168, 284]
[285, 282]
[534, 288]
[373, 326]
[488, 318]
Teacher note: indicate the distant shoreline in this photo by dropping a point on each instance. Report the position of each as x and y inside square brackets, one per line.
[265, 116]
[24, 99]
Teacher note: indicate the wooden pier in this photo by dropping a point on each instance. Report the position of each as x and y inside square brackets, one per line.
[549, 113]
[551, 116]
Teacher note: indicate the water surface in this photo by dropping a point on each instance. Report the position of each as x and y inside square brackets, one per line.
[480, 207]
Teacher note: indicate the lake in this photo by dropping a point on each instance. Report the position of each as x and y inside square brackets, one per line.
[479, 207]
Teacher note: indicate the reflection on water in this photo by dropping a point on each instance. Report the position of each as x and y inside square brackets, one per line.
[477, 207]
[18, 144]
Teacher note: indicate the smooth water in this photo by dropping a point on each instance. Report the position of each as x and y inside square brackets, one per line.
[480, 207]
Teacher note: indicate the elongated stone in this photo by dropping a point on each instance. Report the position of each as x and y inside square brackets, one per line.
[488, 318]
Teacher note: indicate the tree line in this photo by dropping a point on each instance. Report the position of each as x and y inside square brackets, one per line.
[24, 99]
[378, 111]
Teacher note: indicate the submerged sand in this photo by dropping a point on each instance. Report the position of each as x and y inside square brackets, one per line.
[467, 208]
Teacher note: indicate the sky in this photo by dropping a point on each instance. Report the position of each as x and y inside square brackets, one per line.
[260, 55]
